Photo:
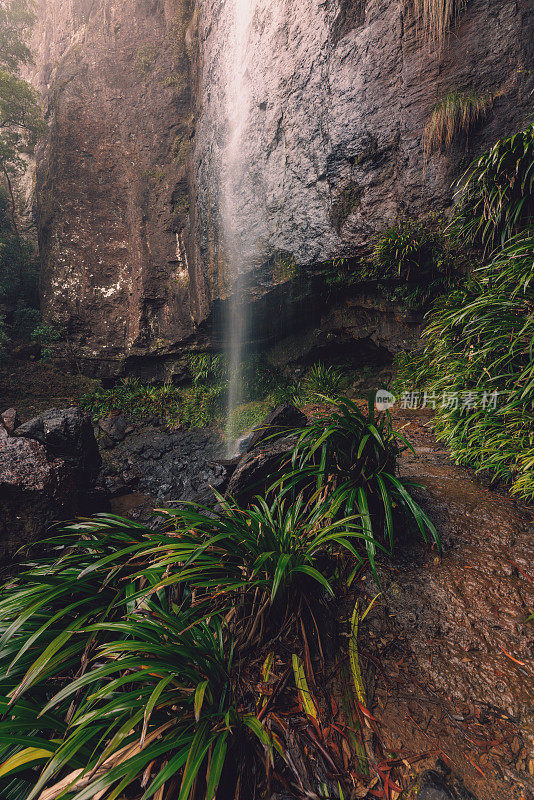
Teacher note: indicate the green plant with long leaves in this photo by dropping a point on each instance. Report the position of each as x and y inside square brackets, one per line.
[280, 551]
[495, 196]
[321, 379]
[116, 648]
[352, 456]
[111, 677]
[480, 347]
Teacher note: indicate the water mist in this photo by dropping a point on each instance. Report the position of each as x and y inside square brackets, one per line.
[233, 169]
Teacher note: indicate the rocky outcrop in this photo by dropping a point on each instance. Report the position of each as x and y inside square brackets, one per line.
[335, 100]
[35, 490]
[284, 419]
[339, 94]
[67, 433]
[47, 471]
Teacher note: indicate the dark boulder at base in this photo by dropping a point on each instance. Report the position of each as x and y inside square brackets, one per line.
[67, 433]
[258, 469]
[283, 419]
[433, 785]
[115, 426]
[35, 490]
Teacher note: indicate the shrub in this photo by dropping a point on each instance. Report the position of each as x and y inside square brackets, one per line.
[324, 380]
[108, 678]
[495, 197]
[414, 261]
[353, 457]
[18, 266]
[25, 320]
[479, 339]
[407, 247]
[47, 335]
[205, 367]
[117, 664]
[453, 116]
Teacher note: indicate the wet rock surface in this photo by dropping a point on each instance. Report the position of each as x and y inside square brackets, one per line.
[10, 420]
[340, 95]
[167, 466]
[258, 469]
[285, 417]
[434, 785]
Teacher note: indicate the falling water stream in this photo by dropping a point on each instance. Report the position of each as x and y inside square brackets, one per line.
[238, 107]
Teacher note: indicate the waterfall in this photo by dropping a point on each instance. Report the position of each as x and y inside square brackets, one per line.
[233, 171]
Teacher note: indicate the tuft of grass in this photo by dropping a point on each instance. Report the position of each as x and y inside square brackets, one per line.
[321, 379]
[436, 17]
[454, 116]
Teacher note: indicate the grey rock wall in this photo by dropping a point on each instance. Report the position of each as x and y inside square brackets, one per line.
[129, 181]
[341, 93]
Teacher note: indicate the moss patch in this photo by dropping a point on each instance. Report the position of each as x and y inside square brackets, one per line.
[344, 205]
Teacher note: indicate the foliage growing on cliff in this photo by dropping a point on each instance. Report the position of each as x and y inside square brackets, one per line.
[436, 17]
[411, 262]
[18, 269]
[496, 194]
[454, 116]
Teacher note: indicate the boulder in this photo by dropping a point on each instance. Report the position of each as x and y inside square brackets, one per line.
[258, 469]
[115, 426]
[35, 490]
[67, 434]
[283, 419]
[433, 785]
[10, 420]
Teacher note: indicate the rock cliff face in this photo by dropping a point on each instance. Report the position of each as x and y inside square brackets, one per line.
[338, 95]
[112, 181]
[339, 101]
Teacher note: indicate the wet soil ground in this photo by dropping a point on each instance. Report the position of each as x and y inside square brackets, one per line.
[449, 647]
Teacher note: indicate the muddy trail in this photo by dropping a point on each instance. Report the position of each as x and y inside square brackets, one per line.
[448, 648]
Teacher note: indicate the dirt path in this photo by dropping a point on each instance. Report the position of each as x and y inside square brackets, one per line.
[450, 646]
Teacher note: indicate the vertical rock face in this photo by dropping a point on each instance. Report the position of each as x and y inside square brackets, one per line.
[129, 182]
[341, 93]
[112, 182]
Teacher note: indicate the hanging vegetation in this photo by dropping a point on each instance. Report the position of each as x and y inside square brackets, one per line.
[454, 117]
[436, 17]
